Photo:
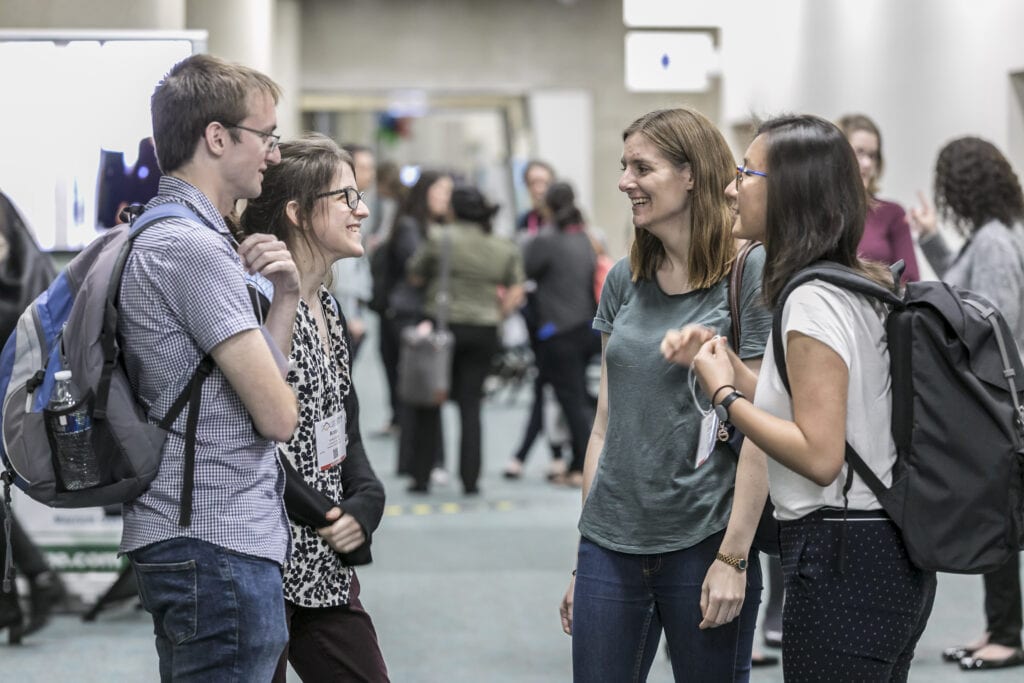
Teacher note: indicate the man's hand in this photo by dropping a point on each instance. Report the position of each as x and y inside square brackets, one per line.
[721, 596]
[269, 256]
[344, 534]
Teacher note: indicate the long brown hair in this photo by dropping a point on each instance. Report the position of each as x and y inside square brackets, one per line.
[685, 136]
[850, 124]
[307, 168]
[816, 202]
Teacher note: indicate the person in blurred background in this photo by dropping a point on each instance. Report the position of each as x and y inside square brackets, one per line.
[391, 194]
[977, 191]
[25, 271]
[887, 237]
[351, 281]
[537, 176]
[428, 204]
[561, 260]
[479, 263]
[543, 416]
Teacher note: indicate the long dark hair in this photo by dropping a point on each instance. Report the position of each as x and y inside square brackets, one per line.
[470, 204]
[975, 184]
[415, 205]
[561, 201]
[816, 203]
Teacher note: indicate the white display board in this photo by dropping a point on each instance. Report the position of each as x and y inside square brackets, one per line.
[79, 543]
[70, 96]
[670, 61]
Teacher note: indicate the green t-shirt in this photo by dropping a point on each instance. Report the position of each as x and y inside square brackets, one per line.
[648, 496]
[478, 264]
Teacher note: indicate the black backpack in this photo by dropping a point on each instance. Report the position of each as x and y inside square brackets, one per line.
[957, 490]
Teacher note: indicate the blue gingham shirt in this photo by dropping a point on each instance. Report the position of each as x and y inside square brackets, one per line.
[182, 293]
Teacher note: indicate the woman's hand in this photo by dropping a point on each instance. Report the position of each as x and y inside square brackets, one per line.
[713, 367]
[923, 222]
[565, 609]
[680, 346]
[721, 596]
[344, 534]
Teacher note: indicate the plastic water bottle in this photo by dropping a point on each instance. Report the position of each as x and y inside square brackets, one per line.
[71, 431]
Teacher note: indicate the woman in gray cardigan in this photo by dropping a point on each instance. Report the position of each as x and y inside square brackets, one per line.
[977, 191]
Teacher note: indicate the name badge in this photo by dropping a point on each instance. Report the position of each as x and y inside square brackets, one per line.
[708, 437]
[331, 441]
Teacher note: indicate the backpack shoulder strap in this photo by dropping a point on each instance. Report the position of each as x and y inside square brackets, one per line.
[108, 331]
[848, 279]
[832, 273]
[735, 284]
[191, 394]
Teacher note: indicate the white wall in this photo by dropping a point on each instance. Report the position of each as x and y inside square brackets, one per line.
[521, 48]
[926, 70]
[563, 130]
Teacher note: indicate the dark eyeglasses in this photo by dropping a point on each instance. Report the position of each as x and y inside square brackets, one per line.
[352, 196]
[743, 170]
[270, 140]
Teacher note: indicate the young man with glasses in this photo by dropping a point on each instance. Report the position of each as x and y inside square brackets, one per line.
[212, 582]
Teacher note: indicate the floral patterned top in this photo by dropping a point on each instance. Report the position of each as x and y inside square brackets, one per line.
[316, 575]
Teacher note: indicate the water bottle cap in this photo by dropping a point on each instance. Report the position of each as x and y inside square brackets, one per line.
[62, 375]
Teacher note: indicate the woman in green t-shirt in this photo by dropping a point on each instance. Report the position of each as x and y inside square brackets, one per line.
[663, 546]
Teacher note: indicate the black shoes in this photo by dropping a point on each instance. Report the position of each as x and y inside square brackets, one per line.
[11, 616]
[46, 591]
[762, 660]
[955, 654]
[970, 663]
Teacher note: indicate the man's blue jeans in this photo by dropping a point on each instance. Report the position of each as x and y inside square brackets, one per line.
[622, 602]
[218, 615]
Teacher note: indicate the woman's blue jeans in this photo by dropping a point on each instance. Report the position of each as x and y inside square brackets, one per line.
[623, 602]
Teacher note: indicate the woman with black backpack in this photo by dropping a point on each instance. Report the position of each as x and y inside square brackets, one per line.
[855, 603]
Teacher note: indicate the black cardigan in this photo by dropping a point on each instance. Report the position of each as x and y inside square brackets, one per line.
[364, 493]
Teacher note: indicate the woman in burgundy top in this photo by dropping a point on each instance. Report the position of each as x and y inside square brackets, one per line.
[886, 231]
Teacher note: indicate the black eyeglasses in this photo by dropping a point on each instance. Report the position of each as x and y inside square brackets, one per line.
[352, 196]
[743, 170]
[270, 140]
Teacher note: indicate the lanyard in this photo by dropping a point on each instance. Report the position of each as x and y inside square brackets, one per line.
[692, 381]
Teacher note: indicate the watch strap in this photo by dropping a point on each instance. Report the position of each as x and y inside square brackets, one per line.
[730, 398]
[737, 563]
[722, 409]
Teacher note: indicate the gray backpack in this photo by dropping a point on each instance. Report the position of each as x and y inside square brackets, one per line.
[73, 325]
